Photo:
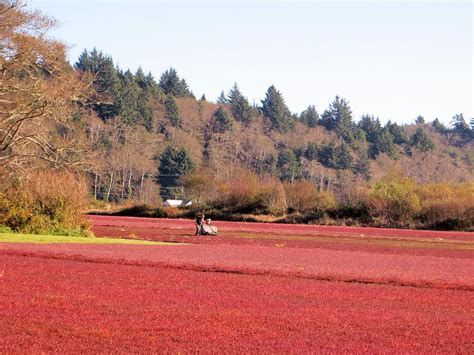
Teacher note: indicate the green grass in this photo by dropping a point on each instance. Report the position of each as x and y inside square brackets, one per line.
[48, 239]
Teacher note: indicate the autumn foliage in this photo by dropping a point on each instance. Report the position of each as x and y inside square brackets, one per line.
[45, 202]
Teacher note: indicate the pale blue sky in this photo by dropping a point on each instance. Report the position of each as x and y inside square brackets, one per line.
[395, 60]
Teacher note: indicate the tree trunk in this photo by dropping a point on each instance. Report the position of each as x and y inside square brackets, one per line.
[95, 186]
[141, 185]
[129, 187]
[110, 187]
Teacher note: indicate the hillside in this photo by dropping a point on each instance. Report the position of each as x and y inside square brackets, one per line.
[327, 146]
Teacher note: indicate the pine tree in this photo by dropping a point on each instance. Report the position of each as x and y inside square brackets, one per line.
[311, 152]
[327, 155]
[339, 119]
[460, 126]
[399, 136]
[184, 90]
[152, 88]
[343, 157]
[233, 94]
[221, 100]
[326, 120]
[239, 105]
[106, 82]
[384, 144]
[140, 78]
[439, 127]
[421, 141]
[420, 120]
[128, 99]
[275, 109]
[371, 126]
[287, 165]
[172, 111]
[310, 117]
[174, 163]
[221, 122]
[203, 98]
[170, 83]
[362, 165]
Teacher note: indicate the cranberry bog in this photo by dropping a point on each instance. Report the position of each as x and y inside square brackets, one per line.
[254, 288]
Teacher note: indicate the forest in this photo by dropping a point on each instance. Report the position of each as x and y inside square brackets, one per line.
[125, 138]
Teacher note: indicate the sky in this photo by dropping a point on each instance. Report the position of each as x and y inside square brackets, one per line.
[394, 60]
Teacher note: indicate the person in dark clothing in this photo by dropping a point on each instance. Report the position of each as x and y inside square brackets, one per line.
[199, 223]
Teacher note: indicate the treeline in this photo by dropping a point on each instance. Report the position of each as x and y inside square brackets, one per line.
[167, 110]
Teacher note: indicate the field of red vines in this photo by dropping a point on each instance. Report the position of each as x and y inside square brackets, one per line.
[254, 288]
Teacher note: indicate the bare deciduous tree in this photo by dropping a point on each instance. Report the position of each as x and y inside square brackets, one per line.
[37, 90]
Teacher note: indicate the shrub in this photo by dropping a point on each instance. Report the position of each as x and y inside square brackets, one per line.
[44, 201]
[445, 206]
[394, 202]
[300, 195]
[271, 194]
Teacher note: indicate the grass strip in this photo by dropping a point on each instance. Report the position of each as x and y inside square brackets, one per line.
[49, 239]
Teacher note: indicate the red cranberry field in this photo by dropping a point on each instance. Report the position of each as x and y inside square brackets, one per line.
[254, 288]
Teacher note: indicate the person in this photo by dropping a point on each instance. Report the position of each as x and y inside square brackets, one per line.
[199, 223]
[208, 228]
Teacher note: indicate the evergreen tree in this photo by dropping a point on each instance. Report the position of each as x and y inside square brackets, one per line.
[384, 144]
[287, 165]
[275, 109]
[311, 152]
[203, 98]
[152, 88]
[327, 155]
[399, 136]
[128, 99]
[145, 110]
[421, 140]
[221, 122]
[359, 134]
[310, 117]
[172, 111]
[439, 127]
[239, 105]
[339, 119]
[233, 94]
[342, 116]
[184, 89]
[221, 100]
[140, 78]
[106, 81]
[326, 120]
[362, 165]
[420, 120]
[343, 157]
[460, 126]
[170, 83]
[173, 164]
[371, 126]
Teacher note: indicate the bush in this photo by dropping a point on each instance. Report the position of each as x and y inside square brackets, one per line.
[394, 202]
[43, 202]
[300, 195]
[449, 207]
